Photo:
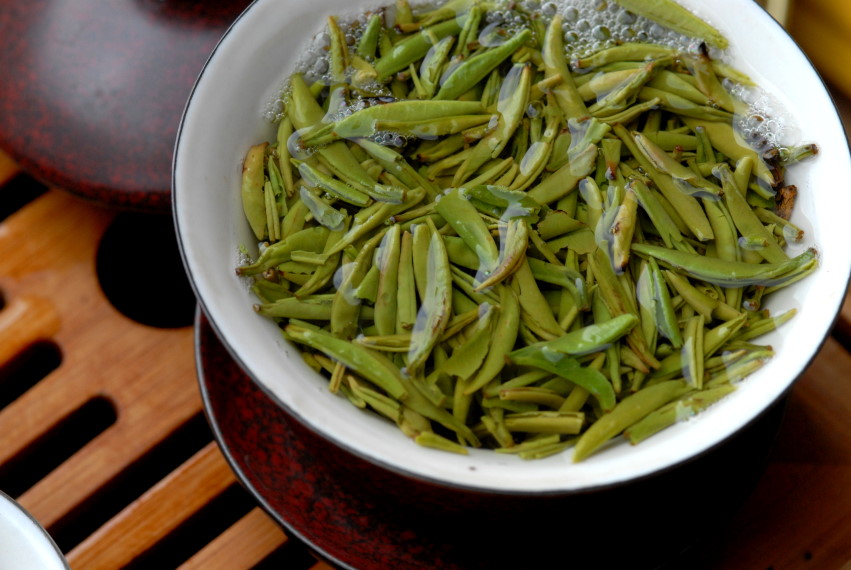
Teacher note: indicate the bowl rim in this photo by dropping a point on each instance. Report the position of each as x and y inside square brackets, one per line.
[223, 332]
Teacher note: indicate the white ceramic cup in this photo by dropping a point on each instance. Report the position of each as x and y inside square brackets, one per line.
[224, 116]
[24, 544]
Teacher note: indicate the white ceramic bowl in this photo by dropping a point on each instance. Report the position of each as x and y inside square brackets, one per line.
[23, 542]
[224, 116]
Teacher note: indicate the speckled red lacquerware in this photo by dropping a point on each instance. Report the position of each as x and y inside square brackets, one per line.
[356, 514]
[91, 92]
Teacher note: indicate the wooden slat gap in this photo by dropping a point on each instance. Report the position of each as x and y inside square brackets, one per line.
[158, 512]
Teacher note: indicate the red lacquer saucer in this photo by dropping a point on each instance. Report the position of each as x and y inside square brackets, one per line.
[355, 515]
[92, 92]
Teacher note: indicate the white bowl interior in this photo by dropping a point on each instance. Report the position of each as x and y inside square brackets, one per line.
[225, 116]
[23, 542]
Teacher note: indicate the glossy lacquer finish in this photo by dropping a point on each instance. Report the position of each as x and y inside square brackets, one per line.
[92, 92]
[358, 515]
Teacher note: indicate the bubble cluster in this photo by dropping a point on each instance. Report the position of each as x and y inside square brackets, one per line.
[591, 25]
[763, 126]
[387, 138]
[274, 109]
[588, 26]
[313, 62]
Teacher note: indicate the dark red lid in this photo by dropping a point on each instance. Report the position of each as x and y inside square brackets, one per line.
[92, 92]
